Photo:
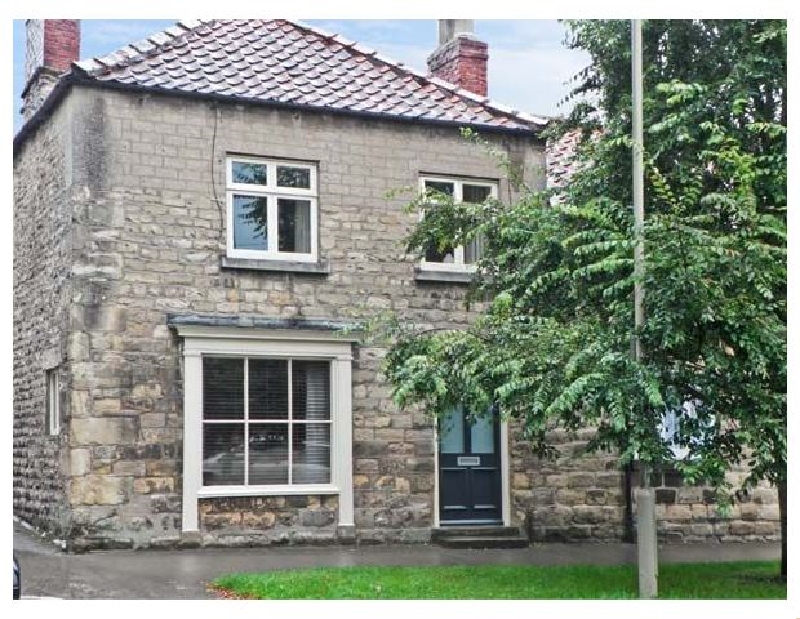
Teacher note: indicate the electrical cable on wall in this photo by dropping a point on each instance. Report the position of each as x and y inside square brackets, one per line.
[220, 206]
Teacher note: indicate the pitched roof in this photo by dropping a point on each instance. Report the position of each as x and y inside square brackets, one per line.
[292, 63]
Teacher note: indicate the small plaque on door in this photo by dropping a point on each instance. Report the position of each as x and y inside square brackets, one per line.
[469, 461]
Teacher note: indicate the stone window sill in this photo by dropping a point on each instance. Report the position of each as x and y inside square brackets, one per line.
[442, 277]
[274, 266]
[208, 492]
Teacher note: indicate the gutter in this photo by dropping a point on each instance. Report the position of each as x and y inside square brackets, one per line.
[59, 91]
[79, 77]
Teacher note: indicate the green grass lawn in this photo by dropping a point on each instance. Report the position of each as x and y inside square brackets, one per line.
[745, 580]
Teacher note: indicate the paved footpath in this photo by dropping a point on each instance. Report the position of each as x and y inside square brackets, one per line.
[183, 574]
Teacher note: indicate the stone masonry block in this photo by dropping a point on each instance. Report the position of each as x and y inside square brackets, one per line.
[80, 462]
[97, 490]
[103, 431]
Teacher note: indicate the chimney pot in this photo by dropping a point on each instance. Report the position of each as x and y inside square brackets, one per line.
[449, 29]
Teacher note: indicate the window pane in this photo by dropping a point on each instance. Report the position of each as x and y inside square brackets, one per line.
[473, 250]
[294, 177]
[441, 187]
[268, 386]
[446, 255]
[311, 390]
[482, 435]
[475, 193]
[311, 453]
[223, 388]
[432, 253]
[294, 226]
[54, 403]
[269, 454]
[451, 432]
[223, 454]
[249, 222]
[249, 173]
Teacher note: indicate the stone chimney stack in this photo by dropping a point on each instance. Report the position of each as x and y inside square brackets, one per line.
[52, 46]
[461, 58]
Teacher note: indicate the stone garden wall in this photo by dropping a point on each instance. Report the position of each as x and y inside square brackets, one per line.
[581, 497]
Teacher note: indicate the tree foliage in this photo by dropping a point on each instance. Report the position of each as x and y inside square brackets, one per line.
[552, 344]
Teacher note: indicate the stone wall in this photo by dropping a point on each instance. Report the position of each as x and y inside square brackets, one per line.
[690, 513]
[41, 219]
[273, 520]
[581, 497]
[576, 497]
[148, 242]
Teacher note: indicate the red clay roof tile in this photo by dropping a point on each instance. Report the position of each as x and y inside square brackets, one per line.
[285, 61]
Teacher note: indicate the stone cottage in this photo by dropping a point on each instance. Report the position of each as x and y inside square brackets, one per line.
[199, 220]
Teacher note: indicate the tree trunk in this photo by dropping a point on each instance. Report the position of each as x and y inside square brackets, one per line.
[782, 508]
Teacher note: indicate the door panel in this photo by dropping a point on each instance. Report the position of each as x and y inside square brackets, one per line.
[451, 432]
[482, 436]
[469, 469]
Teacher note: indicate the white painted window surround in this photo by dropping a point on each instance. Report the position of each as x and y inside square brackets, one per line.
[199, 341]
[459, 263]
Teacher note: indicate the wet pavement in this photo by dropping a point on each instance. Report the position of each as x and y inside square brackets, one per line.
[183, 574]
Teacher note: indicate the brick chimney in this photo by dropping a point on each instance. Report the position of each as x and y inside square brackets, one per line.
[52, 45]
[461, 58]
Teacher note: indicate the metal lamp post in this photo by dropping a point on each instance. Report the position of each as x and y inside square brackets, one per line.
[646, 541]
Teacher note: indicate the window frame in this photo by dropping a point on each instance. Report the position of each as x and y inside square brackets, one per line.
[246, 421]
[458, 265]
[52, 402]
[272, 193]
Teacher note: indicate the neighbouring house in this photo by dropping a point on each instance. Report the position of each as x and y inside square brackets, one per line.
[201, 219]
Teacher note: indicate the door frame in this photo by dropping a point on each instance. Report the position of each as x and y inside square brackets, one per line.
[505, 490]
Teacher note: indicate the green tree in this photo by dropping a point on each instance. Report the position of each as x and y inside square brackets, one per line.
[552, 346]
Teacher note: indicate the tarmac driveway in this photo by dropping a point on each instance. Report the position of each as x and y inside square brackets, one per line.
[172, 574]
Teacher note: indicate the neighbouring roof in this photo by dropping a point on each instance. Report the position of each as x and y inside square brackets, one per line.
[562, 162]
[286, 62]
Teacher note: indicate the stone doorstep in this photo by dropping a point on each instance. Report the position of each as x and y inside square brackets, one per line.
[473, 531]
[479, 537]
[483, 541]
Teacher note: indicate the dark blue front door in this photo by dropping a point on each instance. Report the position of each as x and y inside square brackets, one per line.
[469, 469]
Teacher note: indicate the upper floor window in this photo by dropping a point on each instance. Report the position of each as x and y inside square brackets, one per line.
[456, 257]
[272, 209]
